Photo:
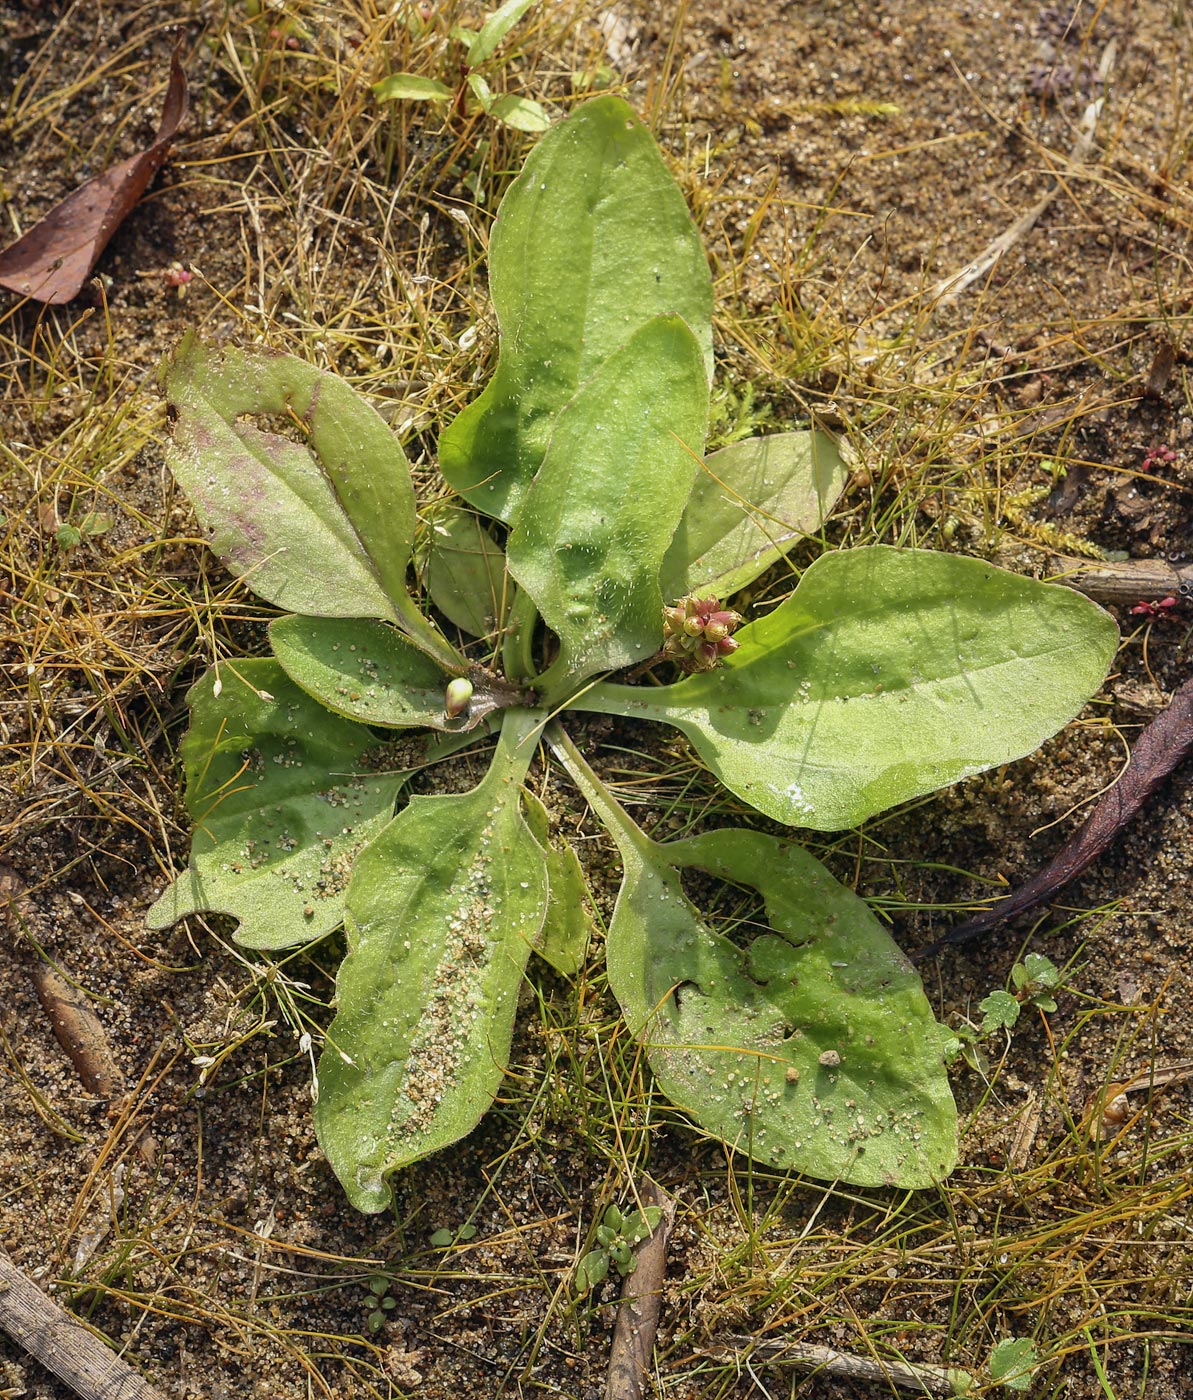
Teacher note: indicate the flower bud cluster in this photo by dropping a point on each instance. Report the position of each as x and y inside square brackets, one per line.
[696, 633]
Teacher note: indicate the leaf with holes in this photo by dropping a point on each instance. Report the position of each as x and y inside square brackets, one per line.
[284, 797]
[806, 1043]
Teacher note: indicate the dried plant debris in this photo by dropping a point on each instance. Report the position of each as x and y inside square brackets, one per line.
[1160, 748]
[52, 261]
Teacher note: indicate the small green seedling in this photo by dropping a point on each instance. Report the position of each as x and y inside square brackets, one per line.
[1013, 1363]
[591, 540]
[476, 49]
[445, 1238]
[1033, 981]
[92, 525]
[379, 1302]
[617, 1235]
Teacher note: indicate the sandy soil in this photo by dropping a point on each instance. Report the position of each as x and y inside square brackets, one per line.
[890, 142]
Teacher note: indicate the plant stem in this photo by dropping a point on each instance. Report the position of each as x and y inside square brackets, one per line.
[607, 698]
[517, 648]
[625, 831]
[426, 636]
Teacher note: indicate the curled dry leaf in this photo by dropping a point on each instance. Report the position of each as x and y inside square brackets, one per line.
[1158, 750]
[53, 259]
[1111, 1107]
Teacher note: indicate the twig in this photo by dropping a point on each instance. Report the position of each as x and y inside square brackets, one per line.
[1132, 581]
[638, 1310]
[76, 1027]
[1158, 750]
[804, 1356]
[951, 287]
[63, 1345]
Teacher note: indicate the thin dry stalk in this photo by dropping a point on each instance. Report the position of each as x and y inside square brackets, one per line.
[804, 1356]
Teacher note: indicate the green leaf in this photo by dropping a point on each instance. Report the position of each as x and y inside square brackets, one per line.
[999, 1010]
[365, 670]
[1037, 971]
[443, 911]
[751, 503]
[410, 87]
[442, 1239]
[1013, 1363]
[494, 30]
[638, 1225]
[592, 241]
[591, 532]
[520, 113]
[887, 674]
[283, 801]
[807, 1045]
[566, 928]
[466, 572]
[591, 1270]
[361, 668]
[481, 90]
[321, 526]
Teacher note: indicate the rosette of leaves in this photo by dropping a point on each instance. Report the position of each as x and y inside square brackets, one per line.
[584, 505]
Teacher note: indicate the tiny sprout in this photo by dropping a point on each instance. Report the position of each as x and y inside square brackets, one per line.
[379, 1302]
[696, 633]
[457, 697]
[616, 1235]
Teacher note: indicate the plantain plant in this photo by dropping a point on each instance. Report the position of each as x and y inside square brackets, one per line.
[589, 542]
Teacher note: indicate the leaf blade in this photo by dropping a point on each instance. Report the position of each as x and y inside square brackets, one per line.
[282, 807]
[592, 240]
[367, 671]
[323, 527]
[566, 926]
[495, 28]
[466, 572]
[811, 1048]
[592, 530]
[754, 500]
[411, 87]
[887, 674]
[442, 915]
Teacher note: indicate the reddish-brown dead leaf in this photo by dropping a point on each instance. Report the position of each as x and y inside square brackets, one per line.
[53, 259]
[1162, 745]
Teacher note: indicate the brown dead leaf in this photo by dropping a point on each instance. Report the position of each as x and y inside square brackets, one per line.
[52, 260]
[1166, 742]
